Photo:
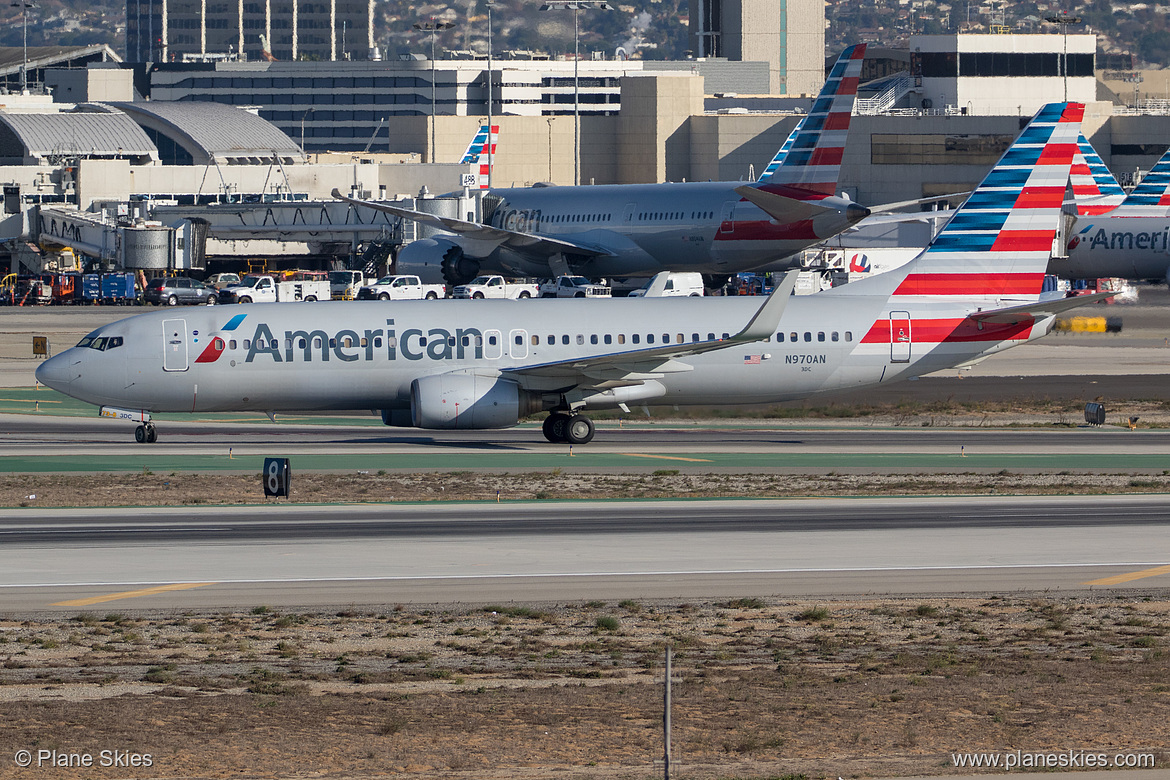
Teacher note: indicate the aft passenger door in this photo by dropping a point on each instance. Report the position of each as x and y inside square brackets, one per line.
[174, 345]
[727, 218]
[900, 337]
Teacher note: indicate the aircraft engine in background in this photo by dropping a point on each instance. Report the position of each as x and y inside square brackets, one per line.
[436, 261]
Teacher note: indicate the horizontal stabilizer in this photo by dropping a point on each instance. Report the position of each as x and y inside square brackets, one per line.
[905, 204]
[1038, 309]
[780, 208]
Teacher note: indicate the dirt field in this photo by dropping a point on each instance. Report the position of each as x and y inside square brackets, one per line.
[762, 688]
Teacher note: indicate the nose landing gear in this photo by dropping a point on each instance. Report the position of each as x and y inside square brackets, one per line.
[565, 428]
[145, 434]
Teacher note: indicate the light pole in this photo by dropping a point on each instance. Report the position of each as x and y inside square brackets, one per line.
[24, 6]
[576, 6]
[1064, 20]
[490, 142]
[308, 111]
[432, 26]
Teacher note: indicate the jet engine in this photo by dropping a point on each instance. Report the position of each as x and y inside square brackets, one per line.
[461, 399]
[437, 261]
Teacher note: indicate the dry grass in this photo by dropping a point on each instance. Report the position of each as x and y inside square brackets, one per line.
[764, 687]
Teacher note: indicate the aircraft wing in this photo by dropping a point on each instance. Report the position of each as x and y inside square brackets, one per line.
[513, 239]
[1038, 309]
[632, 367]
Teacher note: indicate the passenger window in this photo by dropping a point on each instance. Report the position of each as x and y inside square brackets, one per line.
[836, 336]
[551, 340]
[519, 340]
[726, 335]
[536, 341]
[665, 338]
[232, 344]
[679, 339]
[608, 338]
[565, 339]
[450, 341]
[580, 339]
[288, 343]
[216, 342]
[332, 343]
[492, 340]
[807, 336]
[316, 342]
[779, 338]
[649, 338]
[621, 338]
[593, 339]
[694, 337]
[247, 343]
[466, 341]
[849, 335]
[378, 341]
[391, 341]
[636, 338]
[821, 336]
[710, 337]
[793, 337]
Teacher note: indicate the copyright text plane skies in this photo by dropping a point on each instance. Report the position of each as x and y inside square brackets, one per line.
[715, 228]
[453, 364]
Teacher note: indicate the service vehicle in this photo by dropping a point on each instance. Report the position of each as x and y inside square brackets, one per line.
[173, 290]
[266, 288]
[222, 280]
[573, 287]
[495, 287]
[344, 285]
[401, 288]
[671, 284]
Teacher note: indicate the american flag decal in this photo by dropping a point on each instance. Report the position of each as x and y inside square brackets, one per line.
[751, 360]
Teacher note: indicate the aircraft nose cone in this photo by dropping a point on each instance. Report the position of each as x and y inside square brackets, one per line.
[56, 372]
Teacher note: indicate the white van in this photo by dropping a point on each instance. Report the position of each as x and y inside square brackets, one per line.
[669, 284]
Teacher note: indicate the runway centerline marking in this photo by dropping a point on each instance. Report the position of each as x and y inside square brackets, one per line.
[1157, 571]
[130, 594]
[666, 457]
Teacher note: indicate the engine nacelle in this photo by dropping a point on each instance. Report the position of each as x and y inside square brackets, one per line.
[436, 261]
[466, 400]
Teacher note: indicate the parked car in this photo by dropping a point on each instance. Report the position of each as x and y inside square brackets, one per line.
[179, 289]
[222, 280]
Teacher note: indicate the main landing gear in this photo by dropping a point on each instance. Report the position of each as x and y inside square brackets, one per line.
[145, 434]
[565, 428]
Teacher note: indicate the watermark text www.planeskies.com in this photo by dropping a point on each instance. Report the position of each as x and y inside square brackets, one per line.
[1066, 759]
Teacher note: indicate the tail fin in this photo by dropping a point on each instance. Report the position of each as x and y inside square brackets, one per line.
[811, 157]
[997, 245]
[778, 160]
[477, 153]
[1095, 191]
[1151, 198]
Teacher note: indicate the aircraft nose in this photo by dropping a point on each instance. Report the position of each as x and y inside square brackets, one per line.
[56, 372]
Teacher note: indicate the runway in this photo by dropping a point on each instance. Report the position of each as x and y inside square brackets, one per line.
[295, 556]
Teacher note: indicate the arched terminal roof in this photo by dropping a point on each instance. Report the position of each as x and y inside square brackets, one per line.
[211, 133]
[29, 138]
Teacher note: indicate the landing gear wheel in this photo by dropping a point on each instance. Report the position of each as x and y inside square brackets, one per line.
[554, 427]
[152, 434]
[145, 434]
[579, 430]
[140, 434]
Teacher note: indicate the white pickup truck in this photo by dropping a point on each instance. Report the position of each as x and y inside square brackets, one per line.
[401, 288]
[495, 287]
[573, 287]
[262, 288]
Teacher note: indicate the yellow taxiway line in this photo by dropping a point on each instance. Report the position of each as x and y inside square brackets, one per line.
[1133, 575]
[130, 594]
[666, 457]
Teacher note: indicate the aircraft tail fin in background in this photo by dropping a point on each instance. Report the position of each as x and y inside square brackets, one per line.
[782, 154]
[811, 157]
[1095, 191]
[477, 153]
[997, 245]
[1151, 198]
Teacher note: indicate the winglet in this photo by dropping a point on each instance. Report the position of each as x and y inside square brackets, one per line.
[767, 319]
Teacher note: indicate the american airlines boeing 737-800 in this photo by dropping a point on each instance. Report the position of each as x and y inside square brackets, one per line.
[715, 228]
[454, 364]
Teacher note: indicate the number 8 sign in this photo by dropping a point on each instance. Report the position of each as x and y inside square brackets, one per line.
[276, 477]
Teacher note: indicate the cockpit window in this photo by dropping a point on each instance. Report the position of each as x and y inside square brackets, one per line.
[100, 343]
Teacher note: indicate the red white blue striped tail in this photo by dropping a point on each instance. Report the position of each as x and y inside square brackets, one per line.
[811, 157]
[1151, 198]
[477, 153]
[997, 245]
[1095, 191]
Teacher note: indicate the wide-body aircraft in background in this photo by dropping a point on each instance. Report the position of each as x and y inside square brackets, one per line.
[976, 290]
[715, 228]
[1117, 235]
